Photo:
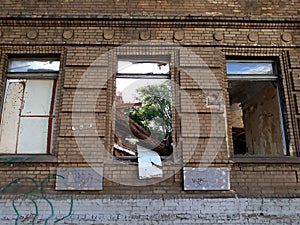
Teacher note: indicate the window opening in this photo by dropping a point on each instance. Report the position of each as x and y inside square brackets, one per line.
[28, 109]
[143, 117]
[256, 112]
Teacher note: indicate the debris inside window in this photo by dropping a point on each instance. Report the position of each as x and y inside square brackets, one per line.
[149, 163]
[257, 123]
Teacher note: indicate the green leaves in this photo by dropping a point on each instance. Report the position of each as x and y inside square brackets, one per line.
[155, 114]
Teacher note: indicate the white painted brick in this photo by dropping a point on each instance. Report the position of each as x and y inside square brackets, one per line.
[156, 211]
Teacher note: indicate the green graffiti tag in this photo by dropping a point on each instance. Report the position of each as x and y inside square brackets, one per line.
[15, 159]
[33, 193]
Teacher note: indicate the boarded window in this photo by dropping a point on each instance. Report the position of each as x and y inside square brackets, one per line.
[28, 109]
[256, 109]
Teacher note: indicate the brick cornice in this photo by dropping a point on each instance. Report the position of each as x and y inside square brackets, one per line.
[150, 21]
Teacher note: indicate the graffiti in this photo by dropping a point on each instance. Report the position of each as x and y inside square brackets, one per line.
[199, 181]
[80, 178]
[16, 159]
[29, 190]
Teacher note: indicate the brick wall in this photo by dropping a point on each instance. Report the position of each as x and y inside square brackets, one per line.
[88, 50]
[198, 44]
[155, 210]
[162, 8]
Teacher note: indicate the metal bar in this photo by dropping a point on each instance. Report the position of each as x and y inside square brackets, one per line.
[37, 75]
[251, 61]
[50, 121]
[285, 151]
[252, 77]
[143, 76]
[37, 116]
[126, 157]
[145, 58]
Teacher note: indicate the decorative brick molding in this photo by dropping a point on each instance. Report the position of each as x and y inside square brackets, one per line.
[108, 34]
[218, 36]
[253, 37]
[68, 34]
[287, 37]
[32, 34]
[144, 35]
[179, 35]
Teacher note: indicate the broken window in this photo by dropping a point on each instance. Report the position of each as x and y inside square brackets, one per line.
[28, 108]
[256, 109]
[143, 116]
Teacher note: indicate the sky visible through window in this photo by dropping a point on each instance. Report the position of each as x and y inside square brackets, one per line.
[128, 86]
[20, 65]
[249, 68]
[143, 67]
[144, 83]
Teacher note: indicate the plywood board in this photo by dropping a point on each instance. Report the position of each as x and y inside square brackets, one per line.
[262, 123]
[10, 116]
[33, 134]
[37, 97]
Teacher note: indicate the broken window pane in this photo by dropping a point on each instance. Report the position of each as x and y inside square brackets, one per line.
[27, 114]
[143, 113]
[140, 67]
[257, 123]
[26, 65]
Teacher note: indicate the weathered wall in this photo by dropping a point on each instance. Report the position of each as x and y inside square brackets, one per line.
[120, 8]
[133, 209]
[88, 48]
[198, 35]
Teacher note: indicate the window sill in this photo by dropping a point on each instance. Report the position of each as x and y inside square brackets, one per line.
[28, 159]
[264, 159]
